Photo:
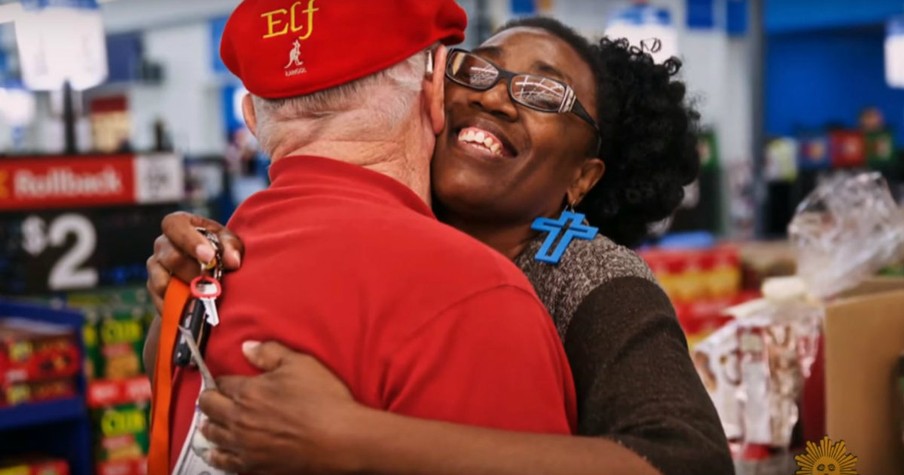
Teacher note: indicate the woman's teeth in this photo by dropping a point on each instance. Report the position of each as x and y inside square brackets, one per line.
[482, 139]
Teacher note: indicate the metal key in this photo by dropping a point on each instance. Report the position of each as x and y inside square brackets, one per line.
[206, 376]
[200, 313]
[206, 290]
[195, 324]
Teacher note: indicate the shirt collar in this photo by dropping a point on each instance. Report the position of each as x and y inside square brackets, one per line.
[294, 170]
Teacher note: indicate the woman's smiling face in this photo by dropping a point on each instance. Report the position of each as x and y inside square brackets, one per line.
[499, 161]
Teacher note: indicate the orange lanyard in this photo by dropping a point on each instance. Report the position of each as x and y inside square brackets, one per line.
[177, 296]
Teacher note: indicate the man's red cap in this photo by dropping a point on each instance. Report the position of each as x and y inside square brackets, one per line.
[286, 48]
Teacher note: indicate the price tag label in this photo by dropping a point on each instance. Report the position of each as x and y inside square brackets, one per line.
[66, 250]
[78, 222]
[70, 270]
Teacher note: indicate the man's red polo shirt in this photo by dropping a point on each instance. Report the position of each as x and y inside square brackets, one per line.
[415, 317]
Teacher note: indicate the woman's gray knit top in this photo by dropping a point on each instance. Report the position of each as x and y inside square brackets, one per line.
[634, 378]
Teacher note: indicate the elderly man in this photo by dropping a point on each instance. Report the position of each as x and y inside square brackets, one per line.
[344, 259]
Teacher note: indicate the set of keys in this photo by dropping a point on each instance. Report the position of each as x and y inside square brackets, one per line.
[198, 318]
[200, 313]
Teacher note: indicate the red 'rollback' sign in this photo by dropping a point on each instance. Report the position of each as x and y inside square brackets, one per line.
[36, 183]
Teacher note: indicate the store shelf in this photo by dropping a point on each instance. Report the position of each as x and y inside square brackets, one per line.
[33, 414]
[59, 428]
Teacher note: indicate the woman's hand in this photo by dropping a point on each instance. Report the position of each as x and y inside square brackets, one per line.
[181, 247]
[293, 418]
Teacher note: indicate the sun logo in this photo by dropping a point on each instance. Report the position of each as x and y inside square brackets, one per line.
[826, 459]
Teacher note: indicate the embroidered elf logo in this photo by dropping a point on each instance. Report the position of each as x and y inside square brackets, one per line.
[291, 21]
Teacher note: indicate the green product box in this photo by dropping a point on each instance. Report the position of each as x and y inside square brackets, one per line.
[114, 341]
[116, 323]
[880, 149]
[121, 432]
[708, 150]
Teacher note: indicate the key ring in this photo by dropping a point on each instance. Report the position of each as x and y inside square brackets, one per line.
[216, 264]
[205, 279]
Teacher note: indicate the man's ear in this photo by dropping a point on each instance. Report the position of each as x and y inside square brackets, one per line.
[250, 115]
[435, 89]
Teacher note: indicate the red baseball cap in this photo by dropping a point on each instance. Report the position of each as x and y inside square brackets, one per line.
[286, 48]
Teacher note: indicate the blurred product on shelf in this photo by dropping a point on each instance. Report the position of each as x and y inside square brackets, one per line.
[34, 466]
[741, 201]
[847, 148]
[111, 124]
[781, 159]
[42, 349]
[796, 164]
[880, 149]
[121, 437]
[697, 210]
[118, 396]
[114, 337]
[116, 322]
[38, 361]
[38, 391]
[813, 152]
[756, 367]
[701, 283]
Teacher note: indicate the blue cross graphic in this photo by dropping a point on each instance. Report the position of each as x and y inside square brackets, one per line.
[573, 225]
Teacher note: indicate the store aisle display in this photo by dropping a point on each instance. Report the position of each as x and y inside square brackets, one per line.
[118, 391]
[701, 283]
[38, 362]
[796, 164]
[764, 368]
[78, 230]
[58, 428]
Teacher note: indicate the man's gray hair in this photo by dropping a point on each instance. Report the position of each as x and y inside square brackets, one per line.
[385, 97]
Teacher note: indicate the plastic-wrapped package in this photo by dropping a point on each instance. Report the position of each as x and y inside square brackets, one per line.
[843, 233]
[777, 346]
[716, 360]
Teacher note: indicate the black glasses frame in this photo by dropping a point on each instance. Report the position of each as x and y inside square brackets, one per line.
[569, 104]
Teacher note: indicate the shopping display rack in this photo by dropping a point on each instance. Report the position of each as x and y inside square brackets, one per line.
[60, 428]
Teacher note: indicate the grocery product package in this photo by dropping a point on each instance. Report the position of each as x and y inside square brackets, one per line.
[842, 234]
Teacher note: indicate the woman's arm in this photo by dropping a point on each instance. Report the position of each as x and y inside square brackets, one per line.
[636, 383]
[639, 393]
[403, 446]
[318, 428]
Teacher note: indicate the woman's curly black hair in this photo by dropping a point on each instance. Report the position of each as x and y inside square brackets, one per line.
[649, 134]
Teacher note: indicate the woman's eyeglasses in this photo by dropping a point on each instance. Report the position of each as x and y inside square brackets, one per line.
[530, 90]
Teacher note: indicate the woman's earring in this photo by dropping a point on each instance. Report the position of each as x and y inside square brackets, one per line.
[571, 225]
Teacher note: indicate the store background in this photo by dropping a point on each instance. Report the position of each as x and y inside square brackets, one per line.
[781, 86]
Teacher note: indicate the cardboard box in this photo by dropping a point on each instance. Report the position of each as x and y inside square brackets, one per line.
[864, 336]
